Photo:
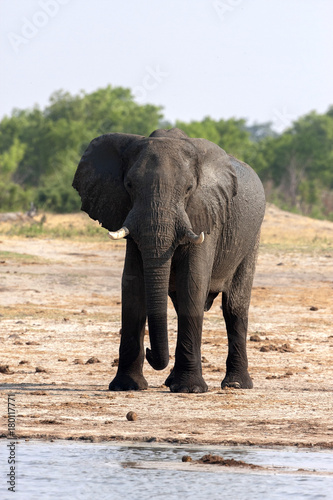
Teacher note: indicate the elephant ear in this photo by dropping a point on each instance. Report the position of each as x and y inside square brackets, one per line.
[99, 179]
[211, 203]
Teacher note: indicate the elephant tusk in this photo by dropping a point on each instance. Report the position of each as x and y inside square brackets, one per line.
[118, 235]
[196, 239]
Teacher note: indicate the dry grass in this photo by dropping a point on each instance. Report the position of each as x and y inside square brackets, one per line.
[280, 229]
[287, 230]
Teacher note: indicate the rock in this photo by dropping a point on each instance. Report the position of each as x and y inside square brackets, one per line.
[115, 362]
[265, 348]
[78, 361]
[39, 369]
[24, 362]
[286, 348]
[62, 359]
[5, 369]
[92, 361]
[313, 308]
[186, 458]
[227, 462]
[255, 338]
[204, 360]
[131, 416]
[32, 342]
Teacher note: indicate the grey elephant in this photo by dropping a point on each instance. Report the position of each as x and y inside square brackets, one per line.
[191, 215]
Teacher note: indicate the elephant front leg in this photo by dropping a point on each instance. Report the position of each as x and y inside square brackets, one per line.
[131, 352]
[186, 375]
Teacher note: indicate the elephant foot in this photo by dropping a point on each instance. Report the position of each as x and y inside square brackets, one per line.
[169, 380]
[186, 382]
[125, 382]
[237, 380]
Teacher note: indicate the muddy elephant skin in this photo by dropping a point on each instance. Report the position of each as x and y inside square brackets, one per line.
[191, 215]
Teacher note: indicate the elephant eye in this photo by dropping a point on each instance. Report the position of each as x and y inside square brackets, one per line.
[189, 189]
[128, 185]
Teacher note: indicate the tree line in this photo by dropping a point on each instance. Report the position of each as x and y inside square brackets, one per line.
[40, 149]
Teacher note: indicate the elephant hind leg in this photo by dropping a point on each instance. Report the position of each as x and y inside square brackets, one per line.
[235, 306]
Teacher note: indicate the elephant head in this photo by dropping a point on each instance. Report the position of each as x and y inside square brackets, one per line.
[162, 191]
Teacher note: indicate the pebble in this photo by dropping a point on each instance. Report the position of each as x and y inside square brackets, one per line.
[131, 416]
[5, 369]
[92, 360]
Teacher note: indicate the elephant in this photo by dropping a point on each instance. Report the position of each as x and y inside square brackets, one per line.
[191, 215]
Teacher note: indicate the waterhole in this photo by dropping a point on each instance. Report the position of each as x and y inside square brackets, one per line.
[71, 469]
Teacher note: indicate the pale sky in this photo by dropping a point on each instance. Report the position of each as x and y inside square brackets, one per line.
[262, 60]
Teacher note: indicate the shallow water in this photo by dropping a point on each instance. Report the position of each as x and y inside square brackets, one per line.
[65, 469]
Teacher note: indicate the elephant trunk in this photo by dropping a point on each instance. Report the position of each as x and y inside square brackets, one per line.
[157, 235]
[157, 275]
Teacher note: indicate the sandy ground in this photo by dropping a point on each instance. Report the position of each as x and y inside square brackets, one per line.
[61, 308]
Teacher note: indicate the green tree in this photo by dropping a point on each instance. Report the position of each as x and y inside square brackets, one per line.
[40, 149]
[12, 196]
[301, 161]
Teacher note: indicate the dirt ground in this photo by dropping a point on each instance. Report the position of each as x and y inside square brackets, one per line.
[59, 336]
